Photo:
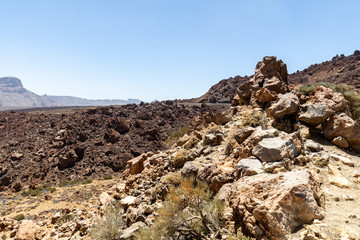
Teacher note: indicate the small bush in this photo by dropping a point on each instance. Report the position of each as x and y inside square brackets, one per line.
[86, 181]
[3, 237]
[180, 159]
[64, 184]
[3, 213]
[64, 219]
[253, 119]
[19, 217]
[52, 190]
[108, 228]
[189, 212]
[176, 136]
[173, 178]
[107, 177]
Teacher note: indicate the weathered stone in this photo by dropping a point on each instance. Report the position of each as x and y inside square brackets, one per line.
[27, 230]
[340, 142]
[241, 135]
[248, 167]
[128, 201]
[274, 204]
[313, 146]
[222, 118]
[343, 125]
[129, 232]
[213, 139]
[342, 159]
[16, 156]
[274, 149]
[337, 179]
[189, 170]
[315, 113]
[287, 104]
[136, 165]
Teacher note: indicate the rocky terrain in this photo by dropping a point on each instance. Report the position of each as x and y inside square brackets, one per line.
[340, 69]
[53, 146]
[14, 96]
[285, 166]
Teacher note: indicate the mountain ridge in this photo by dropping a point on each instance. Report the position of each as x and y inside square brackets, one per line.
[13, 95]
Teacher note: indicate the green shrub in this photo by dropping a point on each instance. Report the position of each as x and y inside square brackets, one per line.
[108, 227]
[107, 177]
[86, 181]
[64, 184]
[64, 219]
[349, 93]
[52, 189]
[189, 212]
[19, 217]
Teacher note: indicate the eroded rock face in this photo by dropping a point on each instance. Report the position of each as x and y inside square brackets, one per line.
[287, 104]
[273, 205]
[344, 126]
[274, 149]
[269, 80]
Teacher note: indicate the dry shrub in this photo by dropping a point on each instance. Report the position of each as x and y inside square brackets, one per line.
[110, 225]
[189, 212]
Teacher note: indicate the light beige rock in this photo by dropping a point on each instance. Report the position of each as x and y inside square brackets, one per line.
[337, 179]
[128, 201]
[105, 199]
[273, 204]
[274, 149]
[343, 125]
[342, 159]
[28, 230]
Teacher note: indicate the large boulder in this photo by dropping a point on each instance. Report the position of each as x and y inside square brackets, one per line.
[274, 149]
[315, 113]
[344, 126]
[248, 167]
[28, 230]
[136, 165]
[287, 104]
[273, 205]
[323, 103]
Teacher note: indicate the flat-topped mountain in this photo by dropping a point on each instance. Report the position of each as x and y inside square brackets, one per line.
[13, 96]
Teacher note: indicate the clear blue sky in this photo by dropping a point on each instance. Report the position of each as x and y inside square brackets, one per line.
[164, 49]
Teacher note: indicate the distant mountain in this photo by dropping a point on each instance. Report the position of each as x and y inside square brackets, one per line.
[14, 96]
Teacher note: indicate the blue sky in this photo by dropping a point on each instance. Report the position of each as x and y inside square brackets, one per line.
[164, 49]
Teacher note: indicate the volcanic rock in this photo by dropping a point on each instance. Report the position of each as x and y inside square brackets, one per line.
[287, 104]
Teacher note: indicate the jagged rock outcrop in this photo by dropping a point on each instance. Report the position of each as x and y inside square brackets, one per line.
[269, 80]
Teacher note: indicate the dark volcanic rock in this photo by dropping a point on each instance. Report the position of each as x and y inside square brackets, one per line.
[52, 146]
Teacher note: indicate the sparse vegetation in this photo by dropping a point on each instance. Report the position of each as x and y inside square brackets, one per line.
[107, 177]
[108, 228]
[176, 136]
[349, 93]
[3, 213]
[75, 182]
[19, 217]
[64, 219]
[3, 237]
[253, 119]
[86, 181]
[47, 187]
[180, 158]
[190, 212]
